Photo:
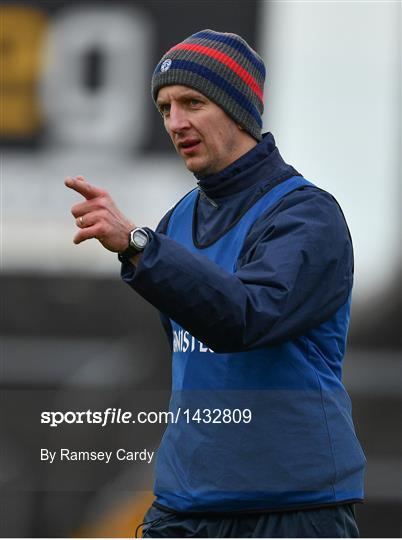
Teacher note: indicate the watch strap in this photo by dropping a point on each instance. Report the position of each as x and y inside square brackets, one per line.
[126, 255]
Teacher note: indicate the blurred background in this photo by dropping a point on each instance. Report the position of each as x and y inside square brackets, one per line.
[75, 99]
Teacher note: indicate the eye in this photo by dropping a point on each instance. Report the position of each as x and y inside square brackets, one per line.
[164, 108]
[194, 102]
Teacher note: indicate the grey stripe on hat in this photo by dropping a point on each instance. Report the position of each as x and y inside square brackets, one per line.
[226, 38]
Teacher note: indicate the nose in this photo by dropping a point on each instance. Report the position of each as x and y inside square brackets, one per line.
[178, 119]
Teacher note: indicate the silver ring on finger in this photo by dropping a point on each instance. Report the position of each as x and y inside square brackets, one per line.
[81, 218]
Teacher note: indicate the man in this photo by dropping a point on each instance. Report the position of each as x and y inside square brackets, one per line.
[252, 273]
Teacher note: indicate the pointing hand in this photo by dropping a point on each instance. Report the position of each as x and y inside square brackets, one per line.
[98, 216]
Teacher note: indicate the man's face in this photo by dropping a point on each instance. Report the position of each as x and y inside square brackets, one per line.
[205, 137]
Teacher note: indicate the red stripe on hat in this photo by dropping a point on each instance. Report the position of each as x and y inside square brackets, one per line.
[224, 59]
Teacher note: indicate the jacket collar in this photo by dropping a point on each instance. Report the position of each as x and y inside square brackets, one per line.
[261, 163]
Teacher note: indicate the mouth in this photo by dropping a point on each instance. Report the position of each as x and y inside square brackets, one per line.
[188, 146]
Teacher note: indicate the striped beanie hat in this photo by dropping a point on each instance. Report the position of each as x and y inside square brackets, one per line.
[224, 68]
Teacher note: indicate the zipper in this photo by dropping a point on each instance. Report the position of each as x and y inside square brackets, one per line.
[205, 196]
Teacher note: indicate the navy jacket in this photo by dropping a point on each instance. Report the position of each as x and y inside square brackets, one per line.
[295, 269]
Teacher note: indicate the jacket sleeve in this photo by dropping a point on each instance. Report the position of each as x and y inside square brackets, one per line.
[128, 272]
[294, 272]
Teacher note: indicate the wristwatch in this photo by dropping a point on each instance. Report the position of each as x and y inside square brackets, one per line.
[138, 240]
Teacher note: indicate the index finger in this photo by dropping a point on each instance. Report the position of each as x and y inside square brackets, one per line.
[83, 187]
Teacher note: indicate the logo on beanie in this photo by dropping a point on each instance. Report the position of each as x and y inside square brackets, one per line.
[166, 64]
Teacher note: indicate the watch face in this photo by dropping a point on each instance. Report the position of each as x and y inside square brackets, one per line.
[140, 239]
